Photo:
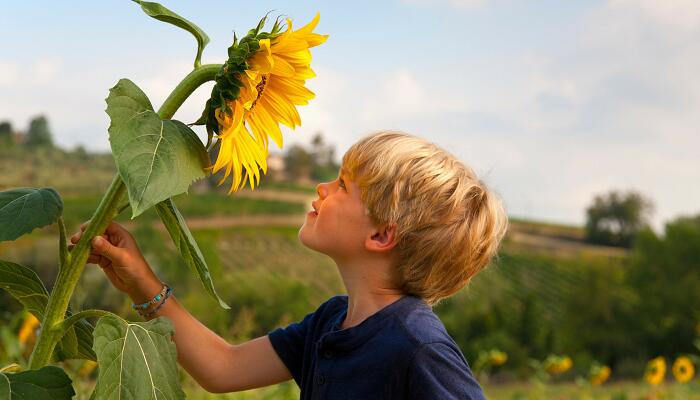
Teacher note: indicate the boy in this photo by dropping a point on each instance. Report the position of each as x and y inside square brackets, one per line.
[407, 225]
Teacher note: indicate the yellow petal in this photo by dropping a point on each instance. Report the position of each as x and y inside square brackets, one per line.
[282, 67]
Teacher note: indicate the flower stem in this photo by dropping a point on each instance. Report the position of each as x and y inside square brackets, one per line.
[184, 89]
[109, 208]
[69, 274]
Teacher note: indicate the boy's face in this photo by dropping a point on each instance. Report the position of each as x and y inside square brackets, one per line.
[339, 226]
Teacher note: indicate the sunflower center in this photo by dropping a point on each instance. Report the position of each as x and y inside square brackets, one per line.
[260, 88]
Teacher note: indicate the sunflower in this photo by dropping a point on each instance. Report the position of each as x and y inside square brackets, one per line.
[261, 85]
[28, 330]
[599, 374]
[497, 357]
[683, 369]
[656, 371]
[557, 364]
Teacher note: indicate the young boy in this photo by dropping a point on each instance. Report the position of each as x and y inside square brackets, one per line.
[407, 225]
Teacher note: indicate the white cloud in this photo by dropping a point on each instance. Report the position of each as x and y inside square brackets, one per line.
[402, 95]
[458, 4]
[9, 73]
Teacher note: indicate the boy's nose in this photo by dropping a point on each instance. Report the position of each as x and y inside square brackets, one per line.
[322, 190]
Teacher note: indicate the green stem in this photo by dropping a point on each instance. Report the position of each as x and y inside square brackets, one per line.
[185, 88]
[63, 253]
[64, 325]
[69, 275]
[109, 208]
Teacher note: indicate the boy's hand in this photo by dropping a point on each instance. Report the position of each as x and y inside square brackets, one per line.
[117, 253]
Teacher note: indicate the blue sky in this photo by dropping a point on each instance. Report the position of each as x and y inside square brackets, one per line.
[550, 101]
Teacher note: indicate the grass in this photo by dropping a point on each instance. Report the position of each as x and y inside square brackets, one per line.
[624, 390]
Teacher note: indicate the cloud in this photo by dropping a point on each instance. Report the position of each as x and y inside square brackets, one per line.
[9, 73]
[457, 4]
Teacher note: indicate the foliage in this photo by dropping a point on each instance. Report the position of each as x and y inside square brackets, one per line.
[137, 360]
[147, 148]
[297, 163]
[615, 218]
[6, 134]
[39, 134]
[48, 383]
[664, 272]
[316, 164]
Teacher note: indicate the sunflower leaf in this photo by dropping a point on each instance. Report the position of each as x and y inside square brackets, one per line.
[185, 242]
[155, 158]
[138, 360]
[23, 284]
[24, 209]
[161, 13]
[48, 383]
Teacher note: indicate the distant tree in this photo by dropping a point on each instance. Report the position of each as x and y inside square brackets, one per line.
[298, 163]
[6, 133]
[615, 218]
[664, 272]
[39, 134]
[324, 167]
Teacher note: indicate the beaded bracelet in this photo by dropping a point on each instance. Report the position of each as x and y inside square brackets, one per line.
[155, 310]
[154, 300]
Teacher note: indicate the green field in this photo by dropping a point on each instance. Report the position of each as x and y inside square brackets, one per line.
[547, 292]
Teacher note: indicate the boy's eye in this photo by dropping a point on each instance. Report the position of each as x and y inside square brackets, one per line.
[341, 183]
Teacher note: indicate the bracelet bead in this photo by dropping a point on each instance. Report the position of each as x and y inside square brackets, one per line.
[154, 300]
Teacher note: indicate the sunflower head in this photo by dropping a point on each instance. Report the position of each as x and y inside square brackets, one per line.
[256, 90]
[497, 357]
[683, 369]
[557, 364]
[228, 81]
[656, 371]
[598, 374]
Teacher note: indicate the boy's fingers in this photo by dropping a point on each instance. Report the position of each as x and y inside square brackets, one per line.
[93, 259]
[114, 228]
[104, 248]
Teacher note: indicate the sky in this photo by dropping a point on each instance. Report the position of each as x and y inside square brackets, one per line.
[550, 102]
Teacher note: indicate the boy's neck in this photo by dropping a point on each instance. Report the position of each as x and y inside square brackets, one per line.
[369, 290]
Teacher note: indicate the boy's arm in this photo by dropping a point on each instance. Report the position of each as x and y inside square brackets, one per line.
[215, 364]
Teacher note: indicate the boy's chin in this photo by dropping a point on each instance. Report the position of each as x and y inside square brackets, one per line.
[308, 241]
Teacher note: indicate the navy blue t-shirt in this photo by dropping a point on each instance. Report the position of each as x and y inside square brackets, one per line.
[401, 352]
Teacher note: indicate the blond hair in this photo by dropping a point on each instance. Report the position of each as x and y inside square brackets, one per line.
[449, 224]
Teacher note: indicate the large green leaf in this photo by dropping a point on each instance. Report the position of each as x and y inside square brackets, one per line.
[155, 158]
[48, 383]
[138, 360]
[23, 284]
[24, 209]
[161, 13]
[184, 241]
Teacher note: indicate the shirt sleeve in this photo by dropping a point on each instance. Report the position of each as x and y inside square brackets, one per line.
[289, 344]
[439, 371]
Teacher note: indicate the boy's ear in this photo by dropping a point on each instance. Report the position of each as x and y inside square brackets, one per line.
[383, 238]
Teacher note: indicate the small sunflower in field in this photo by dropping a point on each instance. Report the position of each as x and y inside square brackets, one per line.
[257, 89]
[598, 374]
[656, 371]
[497, 357]
[683, 369]
[556, 365]
[28, 330]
